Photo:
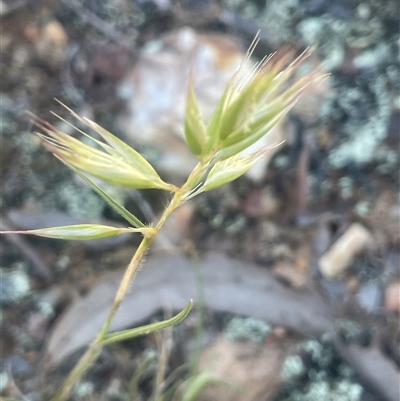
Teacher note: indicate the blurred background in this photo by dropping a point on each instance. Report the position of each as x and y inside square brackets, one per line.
[320, 217]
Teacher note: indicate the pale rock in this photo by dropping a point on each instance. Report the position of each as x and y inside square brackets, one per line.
[50, 42]
[156, 89]
[392, 297]
[340, 255]
[253, 368]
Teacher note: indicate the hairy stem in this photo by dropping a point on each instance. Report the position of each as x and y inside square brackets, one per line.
[96, 346]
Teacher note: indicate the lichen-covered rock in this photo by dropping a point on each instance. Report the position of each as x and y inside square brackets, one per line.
[308, 375]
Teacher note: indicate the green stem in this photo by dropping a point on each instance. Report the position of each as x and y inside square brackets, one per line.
[80, 368]
[96, 346]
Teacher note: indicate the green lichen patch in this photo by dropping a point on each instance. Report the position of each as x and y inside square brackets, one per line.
[318, 373]
[247, 329]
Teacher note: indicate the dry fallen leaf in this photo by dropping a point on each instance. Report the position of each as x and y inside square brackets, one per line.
[229, 286]
[169, 281]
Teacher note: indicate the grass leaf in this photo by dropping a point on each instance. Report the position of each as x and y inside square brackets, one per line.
[79, 232]
[140, 331]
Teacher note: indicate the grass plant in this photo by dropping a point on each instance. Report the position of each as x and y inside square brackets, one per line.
[251, 105]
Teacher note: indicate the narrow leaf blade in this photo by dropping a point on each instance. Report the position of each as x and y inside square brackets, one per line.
[78, 232]
[139, 331]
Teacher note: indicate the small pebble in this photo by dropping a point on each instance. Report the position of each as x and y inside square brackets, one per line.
[279, 332]
[51, 44]
[340, 255]
[392, 297]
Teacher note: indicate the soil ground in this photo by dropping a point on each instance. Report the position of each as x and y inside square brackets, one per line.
[341, 167]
